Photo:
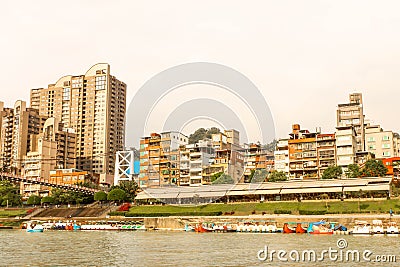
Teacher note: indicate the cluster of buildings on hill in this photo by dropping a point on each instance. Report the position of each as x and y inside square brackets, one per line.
[72, 131]
[307, 154]
[167, 158]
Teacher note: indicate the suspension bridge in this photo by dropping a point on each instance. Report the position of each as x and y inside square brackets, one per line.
[68, 187]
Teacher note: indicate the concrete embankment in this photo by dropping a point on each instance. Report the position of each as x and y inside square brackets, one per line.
[348, 220]
[179, 222]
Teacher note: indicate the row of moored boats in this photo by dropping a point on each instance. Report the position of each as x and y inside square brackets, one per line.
[317, 228]
[38, 226]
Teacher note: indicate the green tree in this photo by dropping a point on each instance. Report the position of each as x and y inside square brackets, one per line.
[215, 176]
[70, 197]
[116, 194]
[224, 179]
[47, 200]
[332, 172]
[374, 168]
[100, 196]
[271, 146]
[277, 176]
[9, 194]
[130, 188]
[353, 171]
[202, 133]
[33, 200]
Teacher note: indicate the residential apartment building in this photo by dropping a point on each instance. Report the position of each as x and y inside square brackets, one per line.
[6, 120]
[352, 114]
[393, 166]
[200, 155]
[303, 161]
[281, 156]
[228, 156]
[381, 143]
[346, 146]
[94, 105]
[310, 153]
[159, 158]
[72, 176]
[256, 157]
[53, 148]
[326, 152]
[20, 125]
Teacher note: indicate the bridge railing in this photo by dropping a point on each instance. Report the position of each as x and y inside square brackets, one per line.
[10, 176]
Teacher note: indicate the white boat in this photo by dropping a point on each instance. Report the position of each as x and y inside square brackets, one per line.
[240, 228]
[361, 228]
[140, 228]
[48, 225]
[392, 228]
[93, 227]
[34, 227]
[377, 227]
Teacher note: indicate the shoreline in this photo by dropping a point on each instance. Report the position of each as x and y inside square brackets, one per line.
[178, 223]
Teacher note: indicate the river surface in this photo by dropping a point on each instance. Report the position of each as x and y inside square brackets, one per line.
[64, 248]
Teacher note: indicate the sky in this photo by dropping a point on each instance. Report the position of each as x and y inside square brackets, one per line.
[305, 57]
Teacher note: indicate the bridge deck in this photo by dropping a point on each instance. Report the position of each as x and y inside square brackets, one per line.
[76, 188]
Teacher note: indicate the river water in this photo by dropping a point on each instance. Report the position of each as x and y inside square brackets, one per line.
[64, 248]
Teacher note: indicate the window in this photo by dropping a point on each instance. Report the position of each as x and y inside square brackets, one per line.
[386, 138]
[371, 139]
[371, 147]
[66, 93]
[385, 145]
[386, 154]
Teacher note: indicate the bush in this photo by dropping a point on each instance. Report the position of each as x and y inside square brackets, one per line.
[282, 212]
[165, 214]
[124, 207]
[33, 200]
[100, 196]
[364, 206]
[312, 212]
[47, 200]
[116, 195]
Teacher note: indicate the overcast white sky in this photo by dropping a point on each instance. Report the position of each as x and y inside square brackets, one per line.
[304, 56]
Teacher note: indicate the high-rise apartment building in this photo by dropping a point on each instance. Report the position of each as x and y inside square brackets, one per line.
[53, 148]
[352, 114]
[20, 125]
[94, 105]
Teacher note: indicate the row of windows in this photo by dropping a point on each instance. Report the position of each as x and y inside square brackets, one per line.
[384, 138]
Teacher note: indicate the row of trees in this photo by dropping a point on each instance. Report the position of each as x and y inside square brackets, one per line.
[60, 197]
[9, 195]
[125, 191]
[372, 168]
